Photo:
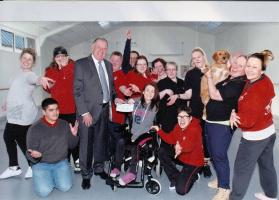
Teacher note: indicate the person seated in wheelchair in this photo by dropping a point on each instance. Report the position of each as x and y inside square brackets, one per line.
[185, 146]
[143, 115]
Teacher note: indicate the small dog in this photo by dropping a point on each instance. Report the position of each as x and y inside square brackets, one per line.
[219, 70]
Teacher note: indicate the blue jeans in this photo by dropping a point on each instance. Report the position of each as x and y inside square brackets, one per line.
[46, 177]
[218, 139]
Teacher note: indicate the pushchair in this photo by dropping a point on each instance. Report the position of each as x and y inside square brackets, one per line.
[148, 160]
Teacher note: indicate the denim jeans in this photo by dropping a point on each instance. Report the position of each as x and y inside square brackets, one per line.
[218, 138]
[46, 177]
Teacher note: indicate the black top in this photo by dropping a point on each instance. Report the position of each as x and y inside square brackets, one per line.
[230, 90]
[193, 81]
[167, 115]
[126, 67]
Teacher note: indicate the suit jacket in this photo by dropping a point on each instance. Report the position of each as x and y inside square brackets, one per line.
[88, 91]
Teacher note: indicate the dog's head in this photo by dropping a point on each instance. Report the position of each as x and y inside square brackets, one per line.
[221, 56]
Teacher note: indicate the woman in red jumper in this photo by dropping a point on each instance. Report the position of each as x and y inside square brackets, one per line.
[139, 77]
[186, 138]
[254, 117]
[117, 121]
[61, 70]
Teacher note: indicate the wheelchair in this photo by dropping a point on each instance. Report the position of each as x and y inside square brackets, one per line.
[148, 160]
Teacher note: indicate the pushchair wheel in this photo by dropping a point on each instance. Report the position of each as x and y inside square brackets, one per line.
[152, 186]
[158, 169]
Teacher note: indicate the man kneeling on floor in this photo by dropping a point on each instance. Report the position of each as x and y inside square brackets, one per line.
[48, 141]
[187, 149]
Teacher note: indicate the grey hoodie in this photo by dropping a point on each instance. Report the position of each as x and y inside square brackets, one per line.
[143, 118]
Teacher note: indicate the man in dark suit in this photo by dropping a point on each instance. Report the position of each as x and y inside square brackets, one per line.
[93, 90]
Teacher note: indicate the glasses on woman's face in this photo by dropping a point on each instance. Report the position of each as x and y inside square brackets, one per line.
[61, 56]
[183, 117]
[142, 65]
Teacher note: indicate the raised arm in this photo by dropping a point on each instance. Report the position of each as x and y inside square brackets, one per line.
[126, 67]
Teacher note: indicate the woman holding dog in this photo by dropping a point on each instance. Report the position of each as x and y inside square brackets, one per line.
[254, 117]
[223, 99]
[192, 92]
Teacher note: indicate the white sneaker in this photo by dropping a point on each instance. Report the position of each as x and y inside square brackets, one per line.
[261, 196]
[28, 173]
[213, 184]
[222, 194]
[10, 172]
[77, 167]
[172, 186]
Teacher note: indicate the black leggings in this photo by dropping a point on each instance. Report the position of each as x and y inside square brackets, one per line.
[14, 135]
[184, 179]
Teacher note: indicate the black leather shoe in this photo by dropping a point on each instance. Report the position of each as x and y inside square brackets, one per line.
[85, 184]
[103, 175]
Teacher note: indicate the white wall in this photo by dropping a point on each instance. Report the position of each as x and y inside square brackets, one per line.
[171, 43]
[255, 38]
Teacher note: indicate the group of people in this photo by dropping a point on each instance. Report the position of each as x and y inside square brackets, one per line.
[81, 119]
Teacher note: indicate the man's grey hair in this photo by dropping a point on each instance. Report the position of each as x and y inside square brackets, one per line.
[100, 39]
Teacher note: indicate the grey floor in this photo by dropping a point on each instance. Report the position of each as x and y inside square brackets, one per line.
[18, 188]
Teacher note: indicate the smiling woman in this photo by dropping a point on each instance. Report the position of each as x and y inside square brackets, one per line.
[21, 111]
[185, 145]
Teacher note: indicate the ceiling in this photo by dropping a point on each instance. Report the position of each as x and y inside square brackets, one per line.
[72, 33]
[84, 31]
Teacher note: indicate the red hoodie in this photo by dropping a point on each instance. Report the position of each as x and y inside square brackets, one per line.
[62, 90]
[190, 139]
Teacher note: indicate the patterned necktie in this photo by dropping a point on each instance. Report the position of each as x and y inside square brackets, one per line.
[103, 83]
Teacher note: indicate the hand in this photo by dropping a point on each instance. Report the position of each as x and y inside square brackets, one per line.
[135, 88]
[234, 119]
[127, 92]
[155, 127]
[168, 92]
[35, 154]
[46, 82]
[178, 149]
[208, 74]
[129, 34]
[131, 101]
[87, 119]
[172, 99]
[154, 71]
[74, 129]
[118, 100]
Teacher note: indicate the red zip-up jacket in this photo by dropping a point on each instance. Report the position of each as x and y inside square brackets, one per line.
[190, 139]
[119, 79]
[62, 90]
[138, 80]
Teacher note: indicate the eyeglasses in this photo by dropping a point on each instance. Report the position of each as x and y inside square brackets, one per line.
[140, 65]
[61, 56]
[173, 70]
[183, 116]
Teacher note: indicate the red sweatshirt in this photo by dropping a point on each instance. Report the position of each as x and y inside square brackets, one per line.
[190, 139]
[119, 79]
[138, 80]
[254, 105]
[62, 90]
